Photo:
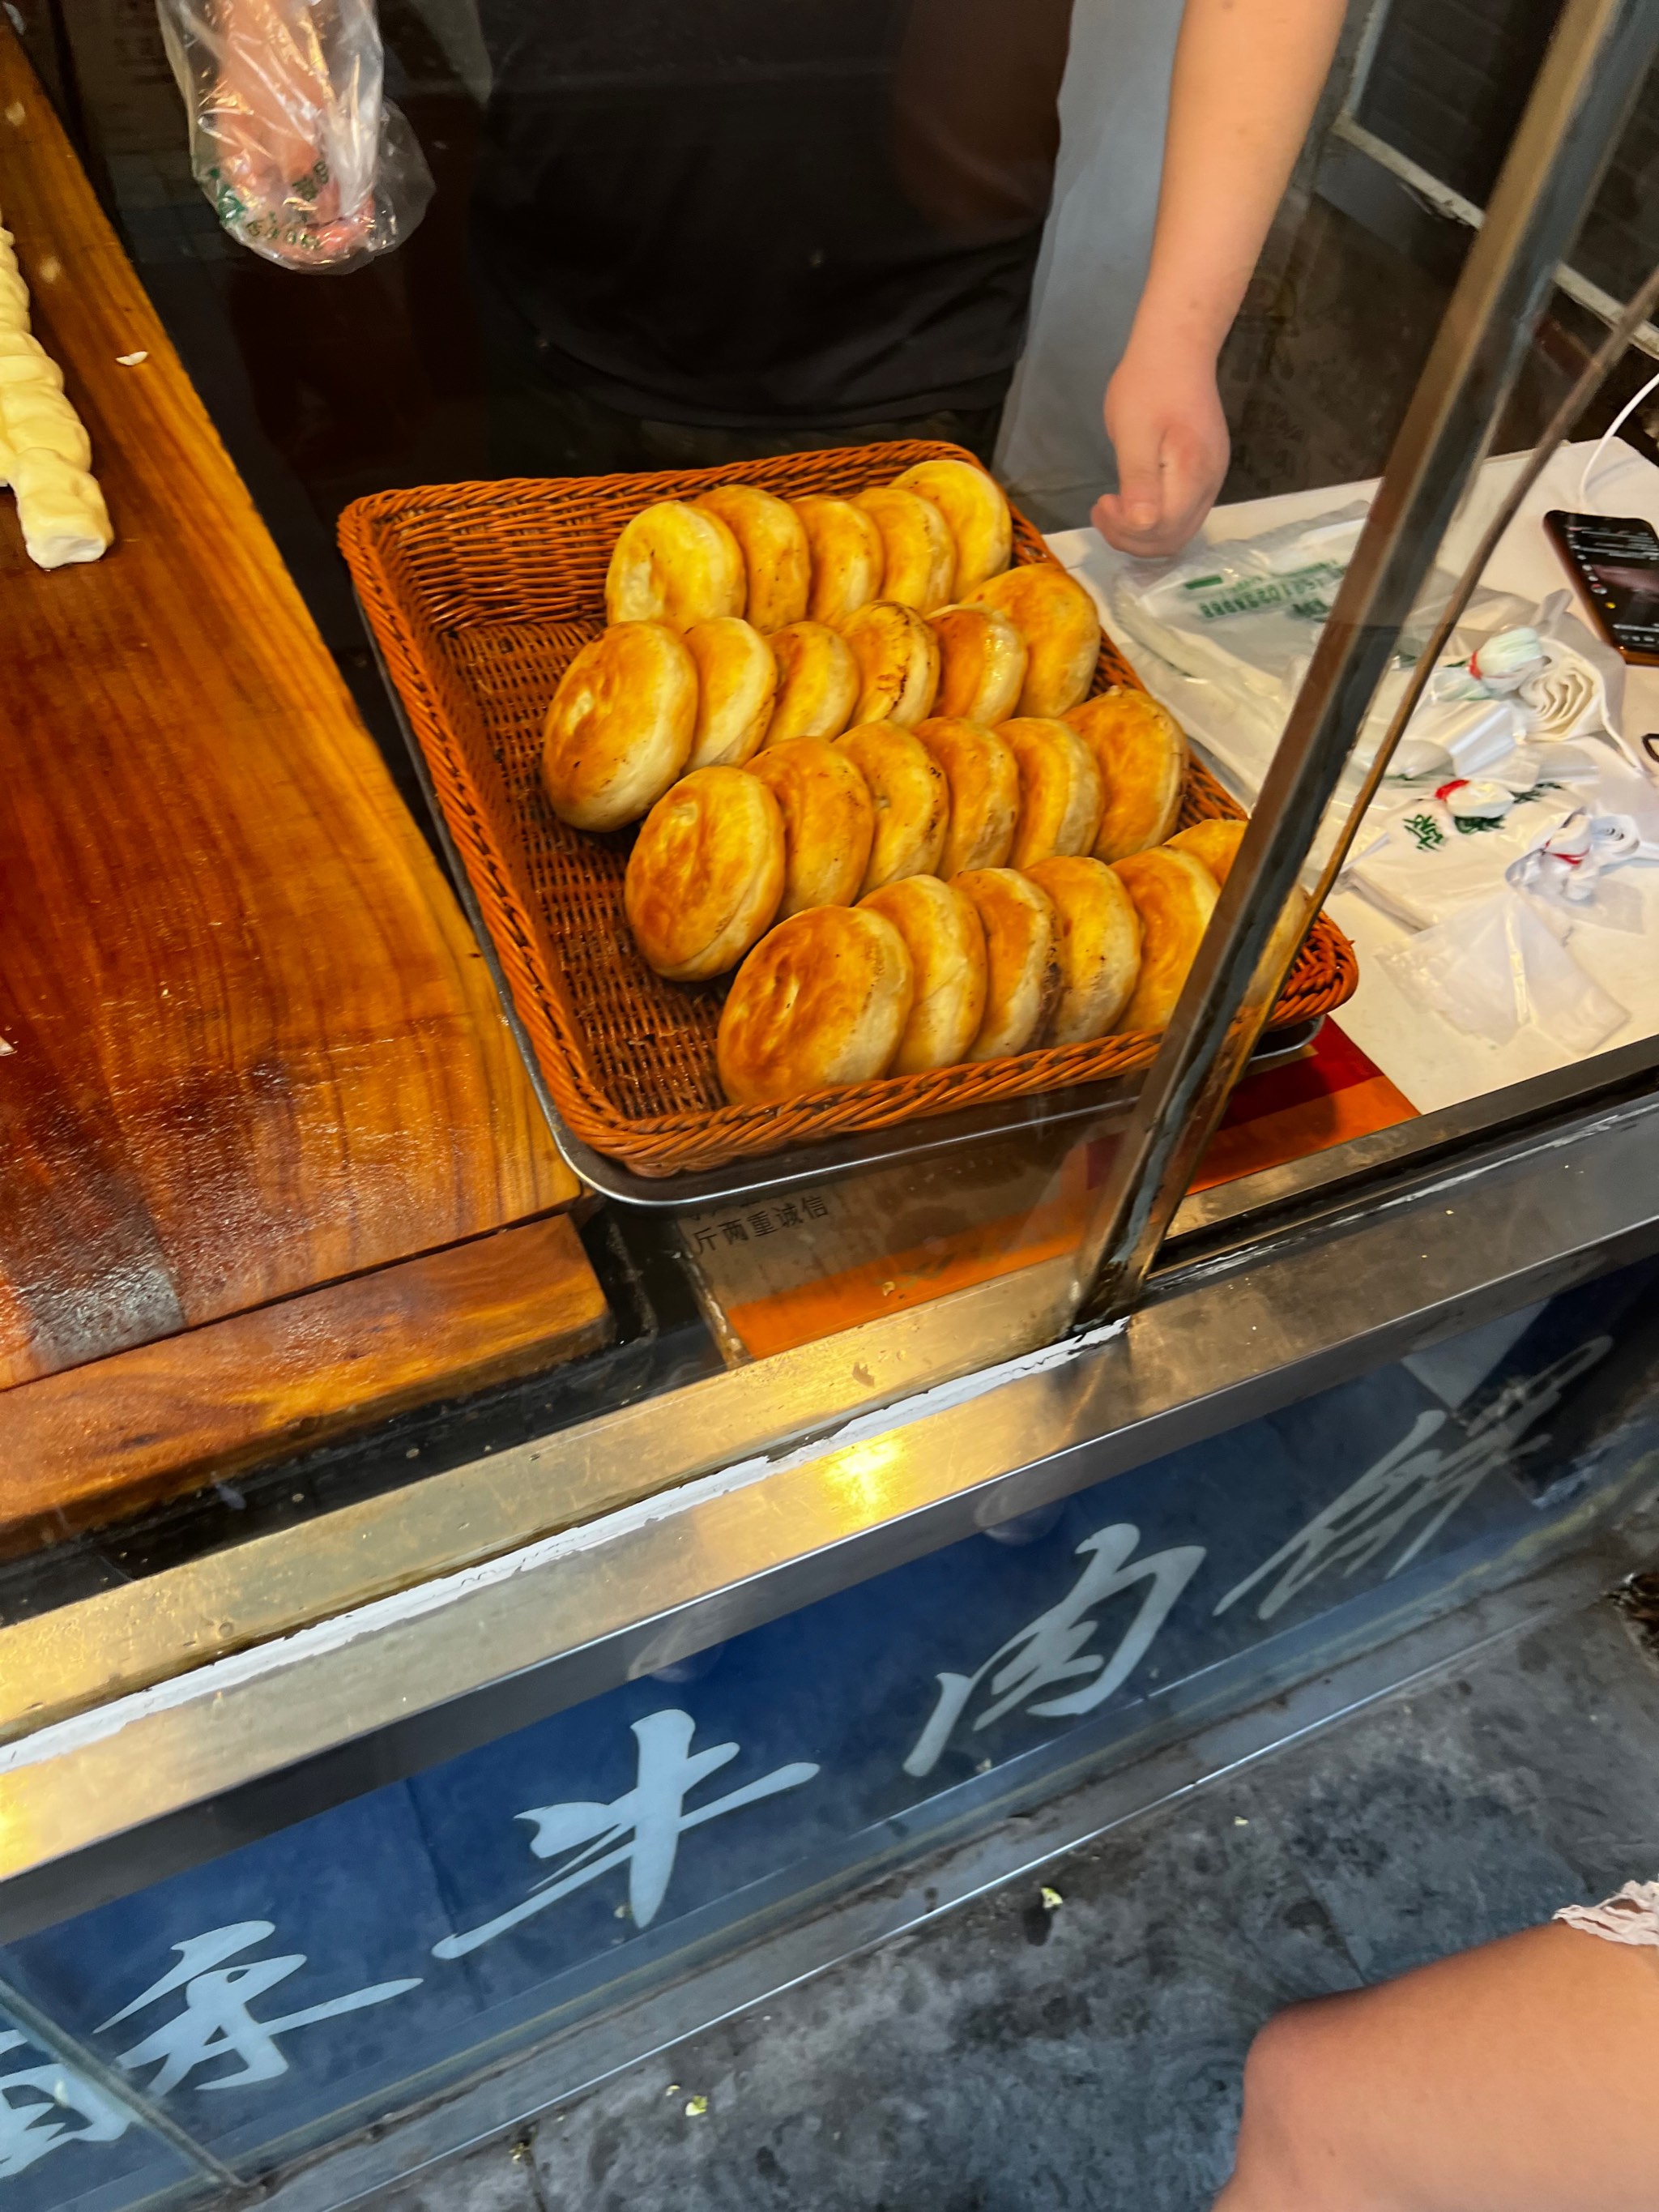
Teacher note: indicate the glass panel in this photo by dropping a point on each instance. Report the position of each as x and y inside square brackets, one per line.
[665, 239]
[317, 1979]
[66, 2147]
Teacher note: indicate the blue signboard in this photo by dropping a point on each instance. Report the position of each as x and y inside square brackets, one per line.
[293, 1989]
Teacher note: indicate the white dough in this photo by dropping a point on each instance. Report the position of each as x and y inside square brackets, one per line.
[46, 454]
[62, 511]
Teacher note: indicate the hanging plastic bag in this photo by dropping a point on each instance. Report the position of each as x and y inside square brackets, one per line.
[290, 136]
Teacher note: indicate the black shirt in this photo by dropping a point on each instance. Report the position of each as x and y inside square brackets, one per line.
[754, 211]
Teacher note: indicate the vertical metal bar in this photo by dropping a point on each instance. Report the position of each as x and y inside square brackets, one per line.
[117, 2090]
[1596, 64]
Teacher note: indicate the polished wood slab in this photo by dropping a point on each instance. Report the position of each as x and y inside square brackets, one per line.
[145, 1424]
[247, 1043]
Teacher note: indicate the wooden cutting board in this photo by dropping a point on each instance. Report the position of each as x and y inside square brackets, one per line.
[247, 1045]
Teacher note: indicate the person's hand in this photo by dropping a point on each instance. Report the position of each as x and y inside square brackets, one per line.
[275, 186]
[1164, 417]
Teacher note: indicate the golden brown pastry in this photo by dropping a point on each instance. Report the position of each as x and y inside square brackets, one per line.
[1099, 947]
[828, 821]
[1058, 790]
[1057, 617]
[984, 780]
[898, 656]
[919, 555]
[1175, 896]
[912, 802]
[1022, 976]
[620, 727]
[676, 564]
[981, 663]
[776, 560]
[945, 939]
[1215, 841]
[706, 874]
[1141, 754]
[819, 682]
[848, 556]
[737, 679]
[972, 503]
[822, 1000]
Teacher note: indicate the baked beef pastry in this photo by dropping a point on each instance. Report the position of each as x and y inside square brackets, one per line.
[912, 802]
[981, 663]
[972, 503]
[1175, 896]
[822, 1001]
[898, 656]
[848, 556]
[828, 821]
[945, 939]
[1057, 617]
[706, 874]
[1141, 754]
[676, 564]
[819, 682]
[737, 683]
[1216, 843]
[1022, 978]
[984, 780]
[1099, 947]
[620, 727]
[777, 561]
[1058, 790]
[919, 555]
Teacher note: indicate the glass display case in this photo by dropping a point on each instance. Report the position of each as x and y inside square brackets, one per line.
[474, 1607]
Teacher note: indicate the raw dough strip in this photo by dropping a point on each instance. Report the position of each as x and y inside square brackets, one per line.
[45, 455]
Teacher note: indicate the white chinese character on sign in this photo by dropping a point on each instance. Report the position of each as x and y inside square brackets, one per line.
[1051, 1650]
[639, 1830]
[1415, 1480]
[34, 2102]
[214, 2022]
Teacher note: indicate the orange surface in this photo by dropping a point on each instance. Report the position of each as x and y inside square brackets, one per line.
[1333, 1093]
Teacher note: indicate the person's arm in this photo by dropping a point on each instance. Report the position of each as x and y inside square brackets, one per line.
[1248, 74]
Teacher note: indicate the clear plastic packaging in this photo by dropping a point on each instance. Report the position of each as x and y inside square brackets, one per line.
[291, 135]
[1504, 964]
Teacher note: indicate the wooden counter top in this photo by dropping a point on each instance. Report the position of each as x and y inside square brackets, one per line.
[247, 1045]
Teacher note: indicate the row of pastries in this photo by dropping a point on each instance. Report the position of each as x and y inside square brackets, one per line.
[925, 972]
[743, 620]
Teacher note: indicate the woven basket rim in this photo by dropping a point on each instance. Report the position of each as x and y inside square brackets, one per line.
[698, 1138]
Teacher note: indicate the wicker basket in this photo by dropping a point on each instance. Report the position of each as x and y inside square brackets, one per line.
[479, 595]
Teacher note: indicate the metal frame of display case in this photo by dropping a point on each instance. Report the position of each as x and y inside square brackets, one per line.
[153, 1726]
[156, 1724]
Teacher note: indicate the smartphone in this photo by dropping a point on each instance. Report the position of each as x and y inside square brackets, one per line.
[1614, 561]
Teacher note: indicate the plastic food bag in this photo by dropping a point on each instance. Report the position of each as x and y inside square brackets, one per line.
[1245, 615]
[290, 138]
[1246, 612]
[1501, 965]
